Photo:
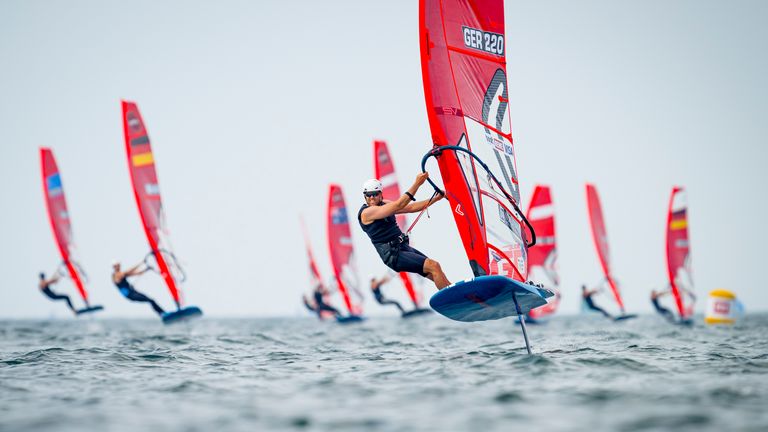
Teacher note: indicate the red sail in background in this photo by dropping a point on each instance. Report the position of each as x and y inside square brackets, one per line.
[314, 272]
[463, 65]
[678, 250]
[384, 170]
[58, 215]
[542, 258]
[341, 249]
[141, 165]
[600, 236]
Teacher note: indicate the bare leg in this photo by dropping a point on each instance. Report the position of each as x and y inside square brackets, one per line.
[435, 273]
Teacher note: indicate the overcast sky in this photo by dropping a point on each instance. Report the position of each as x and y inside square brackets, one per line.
[254, 107]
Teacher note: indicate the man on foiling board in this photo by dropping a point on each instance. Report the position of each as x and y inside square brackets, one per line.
[376, 285]
[377, 220]
[320, 304]
[45, 288]
[120, 279]
[663, 311]
[666, 313]
[586, 295]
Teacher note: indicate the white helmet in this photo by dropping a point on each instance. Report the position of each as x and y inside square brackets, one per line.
[372, 185]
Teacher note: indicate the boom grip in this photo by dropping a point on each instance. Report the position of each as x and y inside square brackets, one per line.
[437, 151]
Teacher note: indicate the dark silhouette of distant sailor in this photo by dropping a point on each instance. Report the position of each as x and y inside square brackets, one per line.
[320, 304]
[45, 288]
[587, 296]
[666, 313]
[120, 279]
[376, 285]
[377, 219]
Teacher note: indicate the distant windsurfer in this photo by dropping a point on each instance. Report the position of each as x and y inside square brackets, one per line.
[320, 304]
[666, 313]
[377, 219]
[587, 294]
[663, 311]
[120, 279]
[376, 285]
[45, 288]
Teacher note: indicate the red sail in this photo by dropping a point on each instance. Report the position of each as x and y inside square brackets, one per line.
[678, 251]
[341, 249]
[384, 170]
[141, 165]
[463, 65]
[542, 258]
[600, 236]
[58, 215]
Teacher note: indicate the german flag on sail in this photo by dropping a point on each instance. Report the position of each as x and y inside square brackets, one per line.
[143, 159]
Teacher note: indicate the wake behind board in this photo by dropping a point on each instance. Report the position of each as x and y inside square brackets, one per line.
[181, 315]
[487, 298]
[349, 319]
[89, 309]
[417, 312]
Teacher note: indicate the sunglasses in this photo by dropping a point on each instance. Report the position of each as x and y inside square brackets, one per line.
[371, 194]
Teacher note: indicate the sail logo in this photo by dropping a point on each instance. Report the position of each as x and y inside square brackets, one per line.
[492, 43]
[152, 189]
[53, 184]
[339, 216]
[133, 121]
[345, 241]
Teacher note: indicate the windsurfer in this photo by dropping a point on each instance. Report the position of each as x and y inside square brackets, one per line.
[377, 219]
[666, 313]
[376, 285]
[120, 279]
[45, 288]
[320, 304]
[587, 294]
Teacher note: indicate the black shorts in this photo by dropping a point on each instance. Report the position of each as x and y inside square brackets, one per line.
[401, 257]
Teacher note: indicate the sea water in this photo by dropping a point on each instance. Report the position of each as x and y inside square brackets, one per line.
[425, 373]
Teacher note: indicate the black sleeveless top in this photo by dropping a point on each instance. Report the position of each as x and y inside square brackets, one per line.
[381, 230]
[123, 284]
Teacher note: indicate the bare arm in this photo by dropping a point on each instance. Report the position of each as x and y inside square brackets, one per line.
[420, 205]
[134, 271]
[371, 214]
[50, 281]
